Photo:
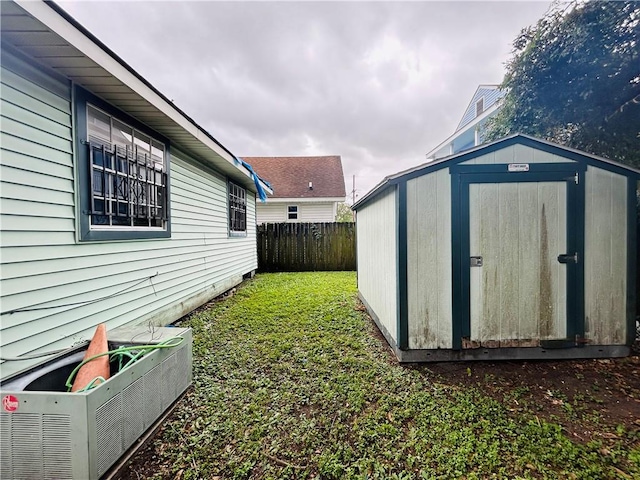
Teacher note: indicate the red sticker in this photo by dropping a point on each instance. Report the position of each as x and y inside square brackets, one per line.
[10, 403]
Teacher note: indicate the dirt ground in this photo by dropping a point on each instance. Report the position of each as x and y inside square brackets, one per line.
[591, 399]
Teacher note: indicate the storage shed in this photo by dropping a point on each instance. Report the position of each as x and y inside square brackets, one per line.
[518, 249]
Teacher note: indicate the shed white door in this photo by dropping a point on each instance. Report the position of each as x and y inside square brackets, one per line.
[518, 294]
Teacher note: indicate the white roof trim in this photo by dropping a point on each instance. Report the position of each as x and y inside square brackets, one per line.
[458, 133]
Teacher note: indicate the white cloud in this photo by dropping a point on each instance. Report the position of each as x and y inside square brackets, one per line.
[378, 83]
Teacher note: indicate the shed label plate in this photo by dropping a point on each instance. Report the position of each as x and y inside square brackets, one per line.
[518, 167]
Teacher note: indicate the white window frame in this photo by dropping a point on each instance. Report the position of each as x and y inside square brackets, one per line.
[293, 210]
[237, 211]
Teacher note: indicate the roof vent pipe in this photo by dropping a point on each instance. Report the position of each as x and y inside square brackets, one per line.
[310, 185]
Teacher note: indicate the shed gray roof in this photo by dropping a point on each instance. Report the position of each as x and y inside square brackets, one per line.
[517, 138]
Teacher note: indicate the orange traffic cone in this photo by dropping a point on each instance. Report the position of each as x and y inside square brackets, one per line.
[98, 367]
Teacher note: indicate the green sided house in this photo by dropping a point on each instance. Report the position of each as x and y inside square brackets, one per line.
[518, 249]
[116, 207]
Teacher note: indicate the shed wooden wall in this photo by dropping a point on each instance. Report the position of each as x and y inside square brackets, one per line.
[376, 233]
[517, 154]
[43, 266]
[429, 277]
[605, 266]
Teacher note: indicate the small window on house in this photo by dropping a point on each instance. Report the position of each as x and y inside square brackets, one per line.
[237, 209]
[479, 106]
[292, 212]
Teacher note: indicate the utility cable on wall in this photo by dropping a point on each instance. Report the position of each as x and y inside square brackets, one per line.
[87, 302]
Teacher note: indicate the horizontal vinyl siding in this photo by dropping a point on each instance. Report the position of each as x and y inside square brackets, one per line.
[277, 212]
[43, 266]
[377, 253]
[316, 212]
[271, 212]
[491, 95]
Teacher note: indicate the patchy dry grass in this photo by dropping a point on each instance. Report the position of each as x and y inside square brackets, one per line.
[291, 382]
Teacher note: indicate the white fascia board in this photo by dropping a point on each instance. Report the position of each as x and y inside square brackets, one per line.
[76, 38]
[469, 125]
[306, 200]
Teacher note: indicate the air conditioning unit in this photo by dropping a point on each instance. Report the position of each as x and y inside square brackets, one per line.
[48, 433]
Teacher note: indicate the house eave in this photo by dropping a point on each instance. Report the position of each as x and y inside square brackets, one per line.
[53, 38]
[459, 132]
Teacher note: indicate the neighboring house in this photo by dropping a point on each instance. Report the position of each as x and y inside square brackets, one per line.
[517, 249]
[305, 189]
[484, 104]
[116, 207]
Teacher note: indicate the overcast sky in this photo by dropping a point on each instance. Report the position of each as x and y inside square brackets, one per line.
[378, 83]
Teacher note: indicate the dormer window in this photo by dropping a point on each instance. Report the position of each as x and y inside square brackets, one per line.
[479, 107]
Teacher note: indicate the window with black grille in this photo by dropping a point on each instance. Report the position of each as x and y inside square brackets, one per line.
[237, 209]
[128, 178]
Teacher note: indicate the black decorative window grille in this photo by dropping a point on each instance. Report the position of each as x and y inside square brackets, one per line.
[127, 189]
[292, 212]
[128, 181]
[237, 208]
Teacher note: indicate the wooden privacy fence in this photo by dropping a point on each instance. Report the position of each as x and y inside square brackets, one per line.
[298, 247]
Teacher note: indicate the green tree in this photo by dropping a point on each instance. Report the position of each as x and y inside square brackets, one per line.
[344, 213]
[574, 79]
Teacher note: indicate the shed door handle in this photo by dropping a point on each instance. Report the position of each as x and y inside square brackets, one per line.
[568, 258]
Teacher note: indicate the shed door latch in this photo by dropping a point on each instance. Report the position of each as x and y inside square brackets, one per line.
[476, 261]
[568, 258]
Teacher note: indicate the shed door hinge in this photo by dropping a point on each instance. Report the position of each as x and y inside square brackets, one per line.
[577, 178]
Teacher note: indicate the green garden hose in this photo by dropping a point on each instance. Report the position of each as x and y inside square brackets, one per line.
[140, 351]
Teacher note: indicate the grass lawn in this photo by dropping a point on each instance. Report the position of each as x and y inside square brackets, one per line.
[291, 380]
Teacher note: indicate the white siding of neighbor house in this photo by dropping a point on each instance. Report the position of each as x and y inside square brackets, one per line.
[377, 264]
[276, 212]
[43, 266]
[605, 265]
[271, 212]
[429, 277]
[517, 154]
